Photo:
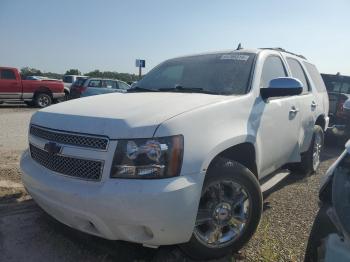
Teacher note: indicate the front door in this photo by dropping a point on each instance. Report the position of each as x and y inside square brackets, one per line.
[279, 123]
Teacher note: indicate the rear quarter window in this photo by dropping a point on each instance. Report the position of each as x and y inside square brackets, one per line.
[7, 74]
[315, 77]
[95, 83]
[298, 72]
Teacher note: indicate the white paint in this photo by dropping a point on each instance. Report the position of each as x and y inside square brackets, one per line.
[123, 208]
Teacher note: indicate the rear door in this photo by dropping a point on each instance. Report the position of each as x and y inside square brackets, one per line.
[307, 104]
[10, 86]
[279, 123]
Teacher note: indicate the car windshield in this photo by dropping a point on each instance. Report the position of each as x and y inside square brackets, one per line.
[224, 73]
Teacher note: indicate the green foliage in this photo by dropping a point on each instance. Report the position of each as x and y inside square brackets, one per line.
[73, 72]
[29, 71]
[113, 75]
[53, 75]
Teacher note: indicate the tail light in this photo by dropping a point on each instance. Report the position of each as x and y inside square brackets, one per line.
[80, 89]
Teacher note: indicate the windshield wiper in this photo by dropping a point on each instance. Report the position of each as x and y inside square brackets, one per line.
[140, 89]
[179, 88]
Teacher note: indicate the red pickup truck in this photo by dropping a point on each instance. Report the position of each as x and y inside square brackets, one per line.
[39, 93]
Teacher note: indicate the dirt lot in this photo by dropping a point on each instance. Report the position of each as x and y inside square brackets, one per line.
[28, 234]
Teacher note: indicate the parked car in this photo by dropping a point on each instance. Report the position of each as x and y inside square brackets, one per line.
[180, 158]
[33, 92]
[329, 239]
[97, 86]
[338, 88]
[68, 81]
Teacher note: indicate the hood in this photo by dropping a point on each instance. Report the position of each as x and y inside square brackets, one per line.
[118, 115]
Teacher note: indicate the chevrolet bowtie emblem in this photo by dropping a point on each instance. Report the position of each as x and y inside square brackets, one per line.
[52, 148]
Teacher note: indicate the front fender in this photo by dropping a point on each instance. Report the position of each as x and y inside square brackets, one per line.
[226, 144]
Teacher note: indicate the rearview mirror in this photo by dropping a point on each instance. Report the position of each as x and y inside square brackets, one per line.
[346, 105]
[282, 86]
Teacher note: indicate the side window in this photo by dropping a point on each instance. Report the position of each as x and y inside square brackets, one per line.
[68, 79]
[115, 84]
[95, 83]
[298, 72]
[108, 84]
[346, 86]
[315, 76]
[272, 68]
[8, 74]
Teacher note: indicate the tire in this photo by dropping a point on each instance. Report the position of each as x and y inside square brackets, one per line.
[308, 163]
[66, 96]
[321, 228]
[225, 176]
[43, 100]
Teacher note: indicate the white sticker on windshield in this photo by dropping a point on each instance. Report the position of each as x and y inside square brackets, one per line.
[235, 57]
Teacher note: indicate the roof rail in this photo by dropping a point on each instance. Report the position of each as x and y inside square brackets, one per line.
[283, 50]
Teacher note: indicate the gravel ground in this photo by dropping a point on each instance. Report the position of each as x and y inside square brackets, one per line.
[28, 234]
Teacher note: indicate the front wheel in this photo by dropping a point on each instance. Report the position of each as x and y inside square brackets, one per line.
[229, 211]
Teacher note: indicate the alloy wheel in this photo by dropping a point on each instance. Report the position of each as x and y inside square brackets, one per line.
[43, 101]
[223, 214]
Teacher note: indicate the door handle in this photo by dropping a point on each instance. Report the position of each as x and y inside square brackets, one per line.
[313, 104]
[293, 110]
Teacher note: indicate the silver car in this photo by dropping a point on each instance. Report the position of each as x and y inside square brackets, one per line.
[97, 86]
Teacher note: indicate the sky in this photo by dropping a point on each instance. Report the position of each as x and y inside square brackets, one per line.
[109, 35]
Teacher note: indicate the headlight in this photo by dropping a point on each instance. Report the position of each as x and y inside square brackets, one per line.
[148, 158]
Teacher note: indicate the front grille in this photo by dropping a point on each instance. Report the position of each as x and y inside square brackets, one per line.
[69, 166]
[70, 138]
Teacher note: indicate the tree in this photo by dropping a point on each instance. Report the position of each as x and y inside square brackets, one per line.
[73, 72]
[95, 73]
[29, 71]
[113, 75]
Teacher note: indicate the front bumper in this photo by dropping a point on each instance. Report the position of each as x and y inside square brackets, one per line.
[151, 212]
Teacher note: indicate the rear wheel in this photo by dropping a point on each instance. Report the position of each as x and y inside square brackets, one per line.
[311, 159]
[43, 100]
[228, 214]
[66, 96]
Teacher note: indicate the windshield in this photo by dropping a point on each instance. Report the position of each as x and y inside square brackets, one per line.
[224, 73]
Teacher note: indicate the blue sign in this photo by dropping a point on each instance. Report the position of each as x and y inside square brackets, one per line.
[140, 63]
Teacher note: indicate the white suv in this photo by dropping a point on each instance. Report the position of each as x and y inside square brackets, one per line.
[179, 159]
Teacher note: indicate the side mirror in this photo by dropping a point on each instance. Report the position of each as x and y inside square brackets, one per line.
[346, 105]
[282, 86]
